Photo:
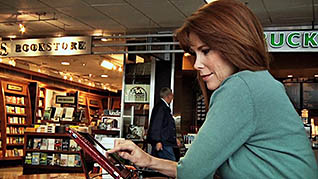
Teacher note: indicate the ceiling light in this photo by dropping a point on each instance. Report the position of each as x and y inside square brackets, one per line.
[104, 39]
[71, 78]
[104, 76]
[22, 28]
[90, 75]
[65, 77]
[12, 62]
[289, 76]
[84, 64]
[107, 64]
[79, 80]
[65, 63]
[105, 88]
[139, 59]
[316, 76]
[39, 70]
[12, 36]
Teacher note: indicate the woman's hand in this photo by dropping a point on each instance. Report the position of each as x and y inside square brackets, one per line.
[130, 151]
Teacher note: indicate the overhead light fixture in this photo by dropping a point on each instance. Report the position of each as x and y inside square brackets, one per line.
[316, 76]
[289, 76]
[22, 28]
[209, 1]
[12, 63]
[107, 65]
[104, 39]
[65, 63]
[104, 76]
[12, 36]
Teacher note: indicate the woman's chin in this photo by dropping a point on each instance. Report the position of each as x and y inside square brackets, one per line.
[212, 86]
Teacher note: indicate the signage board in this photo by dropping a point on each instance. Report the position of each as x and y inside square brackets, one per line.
[65, 100]
[47, 46]
[137, 93]
[292, 41]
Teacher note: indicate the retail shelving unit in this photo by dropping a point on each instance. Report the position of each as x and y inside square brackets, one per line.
[15, 114]
[95, 108]
[40, 107]
[51, 153]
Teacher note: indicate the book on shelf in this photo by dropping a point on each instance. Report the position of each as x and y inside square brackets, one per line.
[71, 160]
[50, 159]
[65, 144]
[64, 160]
[28, 158]
[43, 158]
[73, 145]
[51, 143]
[77, 160]
[44, 144]
[37, 143]
[58, 144]
[56, 159]
[35, 158]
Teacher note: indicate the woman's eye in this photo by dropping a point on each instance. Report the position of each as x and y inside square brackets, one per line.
[205, 51]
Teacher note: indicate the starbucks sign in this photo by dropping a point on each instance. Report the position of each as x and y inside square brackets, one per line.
[292, 41]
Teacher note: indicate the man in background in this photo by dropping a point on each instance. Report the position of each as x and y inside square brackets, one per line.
[162, 129]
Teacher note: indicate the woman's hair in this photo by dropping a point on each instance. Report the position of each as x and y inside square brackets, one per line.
[231, 29]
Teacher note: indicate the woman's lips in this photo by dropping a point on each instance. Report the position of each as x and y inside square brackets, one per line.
[205, 77]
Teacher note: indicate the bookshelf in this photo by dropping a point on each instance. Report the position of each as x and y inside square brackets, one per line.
[15, 115]
[40, 107]
[82, 106]
[95, 109]
[51, 153]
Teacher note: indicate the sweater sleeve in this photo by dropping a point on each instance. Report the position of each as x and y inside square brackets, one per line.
[229, 124]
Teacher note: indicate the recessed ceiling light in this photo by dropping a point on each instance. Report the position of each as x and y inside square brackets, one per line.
[107, 64]
[104, 39]
[104, 76]
[65, 63]
[12, 36]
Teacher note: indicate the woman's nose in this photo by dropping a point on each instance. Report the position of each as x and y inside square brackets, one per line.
[197, 64]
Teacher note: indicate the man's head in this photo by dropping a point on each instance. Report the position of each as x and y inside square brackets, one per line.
[166, 94]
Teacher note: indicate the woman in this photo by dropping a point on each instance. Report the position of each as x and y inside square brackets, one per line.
[251, 129]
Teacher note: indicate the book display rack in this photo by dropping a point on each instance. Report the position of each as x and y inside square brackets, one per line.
[51, 153]
[15, 115]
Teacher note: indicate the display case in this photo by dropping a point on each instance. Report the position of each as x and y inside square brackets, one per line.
[51, 153]
[15, 115]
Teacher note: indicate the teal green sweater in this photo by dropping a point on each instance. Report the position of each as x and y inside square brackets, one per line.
[251, 131]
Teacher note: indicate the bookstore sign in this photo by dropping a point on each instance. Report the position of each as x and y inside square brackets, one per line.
[292, 41]
[46, 46]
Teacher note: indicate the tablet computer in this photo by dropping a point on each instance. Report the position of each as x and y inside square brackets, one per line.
[110, 163]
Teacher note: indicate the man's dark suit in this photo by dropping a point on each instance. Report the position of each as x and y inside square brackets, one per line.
[162, 126]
